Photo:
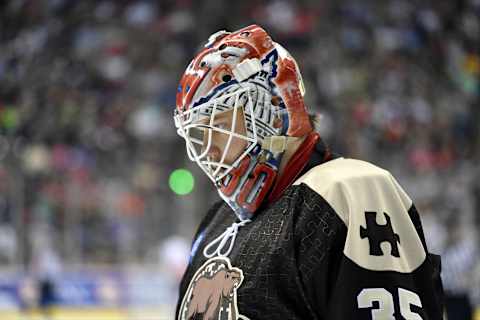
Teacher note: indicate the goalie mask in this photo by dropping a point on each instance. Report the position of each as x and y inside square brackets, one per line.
[238, 102]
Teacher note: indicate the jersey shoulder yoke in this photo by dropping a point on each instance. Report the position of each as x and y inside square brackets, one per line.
[375, 209]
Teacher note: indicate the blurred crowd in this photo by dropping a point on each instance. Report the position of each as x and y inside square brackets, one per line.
[87, 90]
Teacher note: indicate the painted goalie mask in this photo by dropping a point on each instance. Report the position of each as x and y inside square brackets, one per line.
[238, 102]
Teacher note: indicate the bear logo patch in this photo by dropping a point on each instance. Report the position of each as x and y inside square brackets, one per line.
[212, 293]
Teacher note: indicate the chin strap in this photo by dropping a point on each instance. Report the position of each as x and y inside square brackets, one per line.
[229, 235]
[278, 144]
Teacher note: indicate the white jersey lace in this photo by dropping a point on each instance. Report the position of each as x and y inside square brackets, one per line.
[230, 234]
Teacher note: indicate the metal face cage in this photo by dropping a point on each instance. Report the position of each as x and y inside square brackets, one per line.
[199, 125]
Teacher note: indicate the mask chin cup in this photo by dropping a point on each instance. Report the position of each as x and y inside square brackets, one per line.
[247, 185]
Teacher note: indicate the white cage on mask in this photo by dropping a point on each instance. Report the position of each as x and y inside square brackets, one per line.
[198, 125]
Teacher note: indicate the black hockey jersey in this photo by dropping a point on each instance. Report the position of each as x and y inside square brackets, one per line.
[343, 242]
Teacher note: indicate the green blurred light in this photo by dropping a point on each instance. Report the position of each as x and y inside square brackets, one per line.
[10, 118]
[181, 181]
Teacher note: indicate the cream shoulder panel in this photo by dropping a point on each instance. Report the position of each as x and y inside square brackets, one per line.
[355, 189]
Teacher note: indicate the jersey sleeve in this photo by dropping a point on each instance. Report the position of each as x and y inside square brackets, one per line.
[374, 264]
